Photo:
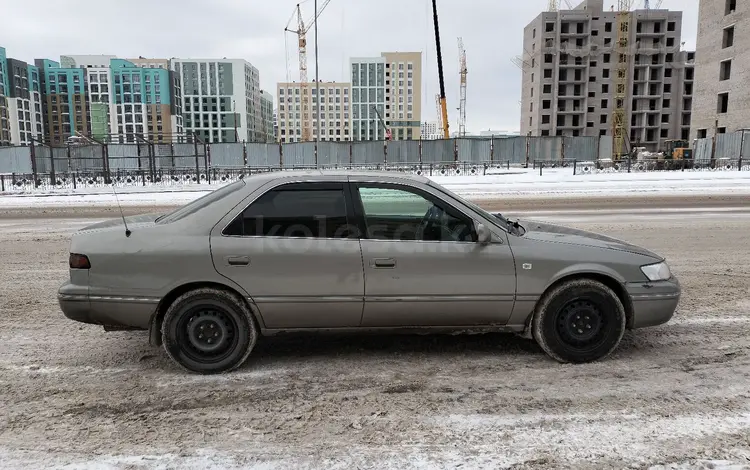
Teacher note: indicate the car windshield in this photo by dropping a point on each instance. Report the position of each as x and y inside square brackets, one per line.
[200, 203]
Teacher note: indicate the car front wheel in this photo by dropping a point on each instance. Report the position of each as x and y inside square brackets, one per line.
[208, 331]
[579, 321]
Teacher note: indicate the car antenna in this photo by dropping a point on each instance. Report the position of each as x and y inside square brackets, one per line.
[127, 230]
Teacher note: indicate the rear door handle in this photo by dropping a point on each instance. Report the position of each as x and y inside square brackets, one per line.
[237, 260]
[383, 263]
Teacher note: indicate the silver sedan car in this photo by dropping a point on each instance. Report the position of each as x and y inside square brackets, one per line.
[347, 251]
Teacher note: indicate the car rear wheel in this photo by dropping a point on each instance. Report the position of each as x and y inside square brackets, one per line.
[579, 321]
[209, 331]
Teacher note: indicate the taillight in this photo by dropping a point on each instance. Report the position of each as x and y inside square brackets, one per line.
[79, 261]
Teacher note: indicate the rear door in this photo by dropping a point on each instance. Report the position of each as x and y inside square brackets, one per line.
[423, 266]
[293, 251]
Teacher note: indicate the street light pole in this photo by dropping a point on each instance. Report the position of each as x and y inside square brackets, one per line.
[317, 78]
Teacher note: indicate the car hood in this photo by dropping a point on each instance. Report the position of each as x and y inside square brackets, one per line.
[559, 234]
[133, 221]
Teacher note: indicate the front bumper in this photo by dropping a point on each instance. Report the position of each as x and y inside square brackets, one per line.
[654, 303]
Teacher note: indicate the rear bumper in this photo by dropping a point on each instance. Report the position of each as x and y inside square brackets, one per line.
[108, 311]
[654, 303]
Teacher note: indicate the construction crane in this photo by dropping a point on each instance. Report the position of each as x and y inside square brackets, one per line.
[647, 6]
[301, 33]
[382, 123]
[554, 5]
[464, 71]
[439, 104]
[619, 115]
[443, 104]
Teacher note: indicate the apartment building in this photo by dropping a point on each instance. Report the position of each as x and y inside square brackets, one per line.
[221, 99]
[4, 85]
[388, 87]
[722, 66]
[403, 82]
[334, 122]
[267, 116]
[368, 98]
[431, 130]
[569, 67]
[64, 101]
[128, 100]
[144, 102]
[24, 103]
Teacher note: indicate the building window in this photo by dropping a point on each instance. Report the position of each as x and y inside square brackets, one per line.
[608, 27]
[722, 105]
[731, 7]
[702, 133]
[671, 26]
[725, 71]
[547, 73]
[728, 40]
[549, 27]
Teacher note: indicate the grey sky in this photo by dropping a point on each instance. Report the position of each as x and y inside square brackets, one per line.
[254, 30]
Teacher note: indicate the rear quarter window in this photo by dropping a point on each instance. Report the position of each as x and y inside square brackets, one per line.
[201, 203]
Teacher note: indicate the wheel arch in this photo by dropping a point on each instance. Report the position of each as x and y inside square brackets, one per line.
[154, 331]
[604, 276]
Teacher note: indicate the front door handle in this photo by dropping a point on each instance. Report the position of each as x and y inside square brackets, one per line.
[380, 263]
[237, 260]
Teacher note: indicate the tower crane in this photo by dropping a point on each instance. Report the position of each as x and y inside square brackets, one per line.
[464, 72]
[443, 105]
[301, 33]
[619, 116]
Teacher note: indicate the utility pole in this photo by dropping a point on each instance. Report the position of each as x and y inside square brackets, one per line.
[317, 80]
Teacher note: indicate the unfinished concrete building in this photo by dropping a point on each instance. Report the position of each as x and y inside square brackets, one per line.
[569, 63]
[722, 94]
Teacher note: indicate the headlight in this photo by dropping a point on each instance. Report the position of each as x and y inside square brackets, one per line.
[657, 272]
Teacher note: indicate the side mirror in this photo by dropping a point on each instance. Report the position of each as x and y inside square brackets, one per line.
[484, 236]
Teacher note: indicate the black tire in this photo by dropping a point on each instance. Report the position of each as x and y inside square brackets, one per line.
[579, 321]
[224, 315]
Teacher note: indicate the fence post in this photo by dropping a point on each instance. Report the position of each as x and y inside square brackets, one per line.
[455, 150]
[316, 154]
[105, 160]
[51, 167]
[151, 162]
[492, 148]
[32, 149]
[528, 148]
[562, 150]
[70, 166]
[385, 153]
[197, 164]
[281, 156]
[244, 153]
[2, 182]
[575, 166]
[739, 164]
[420, 152]
[206, 160]
[351, 155]
[629, 160]
[541, 166]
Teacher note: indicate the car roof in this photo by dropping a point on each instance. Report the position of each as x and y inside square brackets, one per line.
[320, 175]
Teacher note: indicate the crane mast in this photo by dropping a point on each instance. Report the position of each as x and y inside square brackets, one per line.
[301, 33]
[619, 117]
[462, 105]
[302, 38]
[443, 105]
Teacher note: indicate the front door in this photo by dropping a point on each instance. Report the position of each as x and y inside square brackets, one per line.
[423, 266]
[293, 251]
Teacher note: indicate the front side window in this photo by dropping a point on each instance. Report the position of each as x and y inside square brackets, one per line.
[307, 210]
[404, 214]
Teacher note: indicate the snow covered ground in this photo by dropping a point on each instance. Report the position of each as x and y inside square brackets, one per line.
[515, 183]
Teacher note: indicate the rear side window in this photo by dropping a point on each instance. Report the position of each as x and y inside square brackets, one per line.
[306, 210]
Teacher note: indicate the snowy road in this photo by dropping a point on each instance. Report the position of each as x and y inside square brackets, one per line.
[671, 397]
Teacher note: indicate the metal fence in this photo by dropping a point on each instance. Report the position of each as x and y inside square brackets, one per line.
[143, 155]
[732, 146]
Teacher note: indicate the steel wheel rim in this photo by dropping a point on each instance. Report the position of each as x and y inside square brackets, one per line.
[207, 334]
[581, 324]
